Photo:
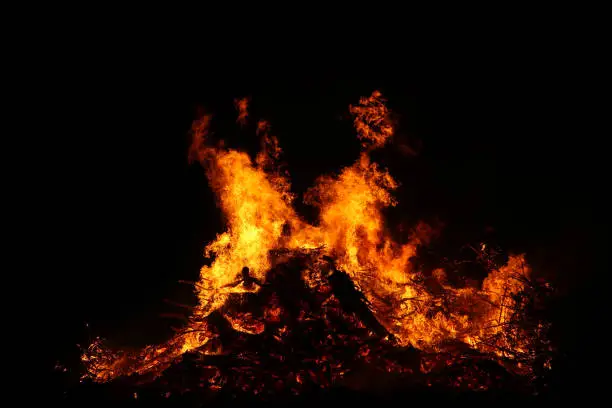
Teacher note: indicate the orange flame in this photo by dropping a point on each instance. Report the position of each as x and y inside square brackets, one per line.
[372, 120]
[256, 200]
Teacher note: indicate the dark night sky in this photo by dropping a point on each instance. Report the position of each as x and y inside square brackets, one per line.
[502, 145]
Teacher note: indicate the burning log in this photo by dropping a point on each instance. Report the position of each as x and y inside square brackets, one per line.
[354, 302]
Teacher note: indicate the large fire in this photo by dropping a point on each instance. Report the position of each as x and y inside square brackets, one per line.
[398, 304]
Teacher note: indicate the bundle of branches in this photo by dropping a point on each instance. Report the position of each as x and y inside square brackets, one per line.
[323, 334]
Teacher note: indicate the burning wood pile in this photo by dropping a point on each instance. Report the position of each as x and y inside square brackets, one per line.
[286, 306]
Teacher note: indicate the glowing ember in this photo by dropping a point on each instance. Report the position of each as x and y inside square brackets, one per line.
[346, 267]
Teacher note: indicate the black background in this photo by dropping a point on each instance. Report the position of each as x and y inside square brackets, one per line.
[500, 126]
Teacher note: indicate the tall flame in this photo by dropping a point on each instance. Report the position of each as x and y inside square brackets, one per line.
[256, 200]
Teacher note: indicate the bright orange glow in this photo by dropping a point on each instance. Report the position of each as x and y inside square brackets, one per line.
[372, 120]
[256, 201]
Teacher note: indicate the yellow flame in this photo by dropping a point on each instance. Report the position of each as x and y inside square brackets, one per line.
[256, 201]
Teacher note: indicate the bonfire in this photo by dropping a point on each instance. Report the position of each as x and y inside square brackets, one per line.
[284, 305]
